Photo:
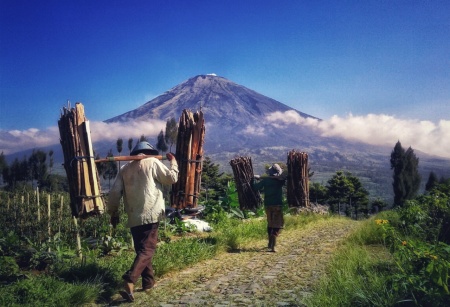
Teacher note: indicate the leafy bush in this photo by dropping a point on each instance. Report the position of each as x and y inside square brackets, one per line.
[9, 270]
[422, 268]
[423, 272]
[428, 216]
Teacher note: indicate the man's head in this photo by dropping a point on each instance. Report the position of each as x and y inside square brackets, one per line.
[274, 170]
[144, 148]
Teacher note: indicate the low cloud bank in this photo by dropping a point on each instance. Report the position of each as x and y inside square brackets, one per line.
[377, 129]
[18, 140]
[374, 129]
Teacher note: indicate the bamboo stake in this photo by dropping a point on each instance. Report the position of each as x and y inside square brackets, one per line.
[61, 207]
[79, 252]
[49, 219]
[60, 213]
[38, 206]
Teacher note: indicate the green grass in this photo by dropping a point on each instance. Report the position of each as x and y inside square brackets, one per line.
[369, 232]
[360, 272]
[49, 291]
[182, 253]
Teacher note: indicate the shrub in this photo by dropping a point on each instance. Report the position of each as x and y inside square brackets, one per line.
[428, 216]
[422, 274]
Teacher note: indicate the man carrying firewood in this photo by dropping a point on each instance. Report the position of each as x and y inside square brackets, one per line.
[272, 187]
[140, 184]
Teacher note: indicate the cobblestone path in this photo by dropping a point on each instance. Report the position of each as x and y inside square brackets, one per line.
[253, 276]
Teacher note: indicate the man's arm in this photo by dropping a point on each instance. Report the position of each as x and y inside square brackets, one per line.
[257, 183]
[166, 175]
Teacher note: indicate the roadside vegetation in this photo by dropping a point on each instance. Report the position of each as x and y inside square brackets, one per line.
[399, 257]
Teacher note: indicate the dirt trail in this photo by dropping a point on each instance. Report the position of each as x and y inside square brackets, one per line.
[255, 277]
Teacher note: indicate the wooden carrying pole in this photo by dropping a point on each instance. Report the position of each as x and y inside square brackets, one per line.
[189, 154]
[128, 158]
[298, 179]
[243, 176]
[82, 174]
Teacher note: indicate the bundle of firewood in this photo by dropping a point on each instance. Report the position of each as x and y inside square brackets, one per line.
[189, 155]
[243, 176]
[297, 181]
[84, 185]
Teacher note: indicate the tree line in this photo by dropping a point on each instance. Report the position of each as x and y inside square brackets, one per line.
[36, 170]
[344, 193]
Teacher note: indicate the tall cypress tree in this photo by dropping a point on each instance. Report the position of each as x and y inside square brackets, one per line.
[406, 177]
[397, 164]
[161, 143]
[119, 145]
[413, 177]
[3, 163]
[432, 181]
[130, 145]
[171, 132]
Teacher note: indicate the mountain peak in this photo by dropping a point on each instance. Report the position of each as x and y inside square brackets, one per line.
[222, 101]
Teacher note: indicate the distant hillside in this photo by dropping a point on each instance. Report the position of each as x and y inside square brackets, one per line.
[236, 125]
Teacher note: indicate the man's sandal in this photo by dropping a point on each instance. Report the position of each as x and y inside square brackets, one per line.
[129, 297]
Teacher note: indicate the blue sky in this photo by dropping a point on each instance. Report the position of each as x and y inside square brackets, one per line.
[330, 59]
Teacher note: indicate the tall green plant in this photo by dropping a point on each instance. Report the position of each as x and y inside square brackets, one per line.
[406, 177]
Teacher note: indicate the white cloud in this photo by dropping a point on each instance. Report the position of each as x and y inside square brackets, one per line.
[253, 130]
[101, 131]
[373, 129]
[17, 140]
[377, 129]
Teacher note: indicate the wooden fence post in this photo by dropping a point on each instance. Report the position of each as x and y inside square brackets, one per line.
[49, 219]
[38, 206]
[79, 252]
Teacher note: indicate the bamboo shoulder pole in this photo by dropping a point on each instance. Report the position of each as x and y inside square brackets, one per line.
[128, 158]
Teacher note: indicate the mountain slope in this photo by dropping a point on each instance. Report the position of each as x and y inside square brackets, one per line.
[237, 125]
[222, 102]
[235, 118]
